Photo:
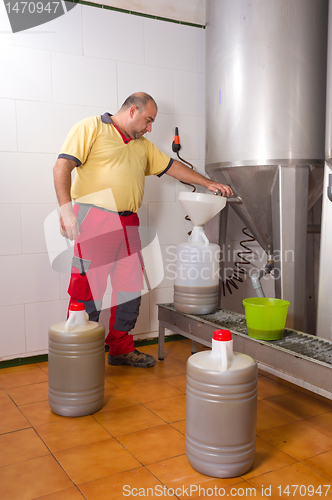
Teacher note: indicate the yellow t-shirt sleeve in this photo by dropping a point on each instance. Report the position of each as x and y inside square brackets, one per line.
[157, 161]
[80, 140]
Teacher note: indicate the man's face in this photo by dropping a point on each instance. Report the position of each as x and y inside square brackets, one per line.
[140, 123]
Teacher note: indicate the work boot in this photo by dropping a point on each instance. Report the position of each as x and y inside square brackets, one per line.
[134, 358]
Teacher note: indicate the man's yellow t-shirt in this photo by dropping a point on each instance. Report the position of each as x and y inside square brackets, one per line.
[110, 172]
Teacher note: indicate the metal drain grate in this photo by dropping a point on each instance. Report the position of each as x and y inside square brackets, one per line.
[297, 342]
[314, 348]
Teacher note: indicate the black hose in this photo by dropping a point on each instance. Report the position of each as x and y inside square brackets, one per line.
[235, 276]
[191, 166]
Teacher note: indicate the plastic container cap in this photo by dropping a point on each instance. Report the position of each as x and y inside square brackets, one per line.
[222, 335]
[77, 307]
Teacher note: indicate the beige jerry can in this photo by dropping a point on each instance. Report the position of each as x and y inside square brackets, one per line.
[221, 409]
[76, 365]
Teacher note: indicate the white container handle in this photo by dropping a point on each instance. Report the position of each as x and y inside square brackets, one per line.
[223, 348]
[76, 318]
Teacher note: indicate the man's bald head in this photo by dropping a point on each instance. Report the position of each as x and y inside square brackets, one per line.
[140, 100]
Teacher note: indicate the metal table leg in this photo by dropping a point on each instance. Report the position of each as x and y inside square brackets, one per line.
[161, 342]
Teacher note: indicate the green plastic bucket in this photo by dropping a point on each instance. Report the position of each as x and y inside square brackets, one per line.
[266, 318]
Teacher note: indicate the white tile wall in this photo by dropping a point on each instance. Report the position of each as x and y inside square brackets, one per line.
[84, 80]
[202, 142]
[12, 338]
[201, 50]
[171, 45]
[26, 279]
[96, 110]
[159, 188]
[52, 122]
[11, 234]
[33, 235]
[108, 41]
[25, 73]
[8, 138]
[63, 34]
[189, 93]
[154, 80]
[167, 219]
[26, 178]
[39, 317]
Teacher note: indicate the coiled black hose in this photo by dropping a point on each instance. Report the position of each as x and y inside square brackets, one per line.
[235, 276]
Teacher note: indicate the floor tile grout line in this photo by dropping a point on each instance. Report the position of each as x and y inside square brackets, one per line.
[52, 454]
[315, 470]
[295, 419]
[158, 477]
[114, 437]
[118, 473]
[283, 451]
[313, 416]
[273, 470]
[77, 485]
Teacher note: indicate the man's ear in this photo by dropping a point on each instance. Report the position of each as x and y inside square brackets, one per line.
[132, 111]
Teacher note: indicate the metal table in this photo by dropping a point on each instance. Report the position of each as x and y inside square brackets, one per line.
[303, 359]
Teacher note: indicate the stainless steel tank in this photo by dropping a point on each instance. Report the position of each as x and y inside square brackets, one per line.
[265, 123]
[324, 315]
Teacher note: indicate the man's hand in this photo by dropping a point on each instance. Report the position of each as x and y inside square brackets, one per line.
[215, 187]
[68, 223]
[185, 174]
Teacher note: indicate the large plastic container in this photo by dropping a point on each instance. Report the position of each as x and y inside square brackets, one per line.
[76, 365]
[197, 274]
[221, 409]
[265, 317]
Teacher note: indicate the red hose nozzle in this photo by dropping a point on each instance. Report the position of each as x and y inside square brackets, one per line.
[176, 146]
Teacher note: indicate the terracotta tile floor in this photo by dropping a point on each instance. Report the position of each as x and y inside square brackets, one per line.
[135, 445]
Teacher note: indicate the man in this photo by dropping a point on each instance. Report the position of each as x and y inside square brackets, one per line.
[112, 158]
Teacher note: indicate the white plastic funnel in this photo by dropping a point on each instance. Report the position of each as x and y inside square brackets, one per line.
[201, 207]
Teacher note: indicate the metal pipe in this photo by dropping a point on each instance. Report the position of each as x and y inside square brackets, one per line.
[236, 200]
[255, 279]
